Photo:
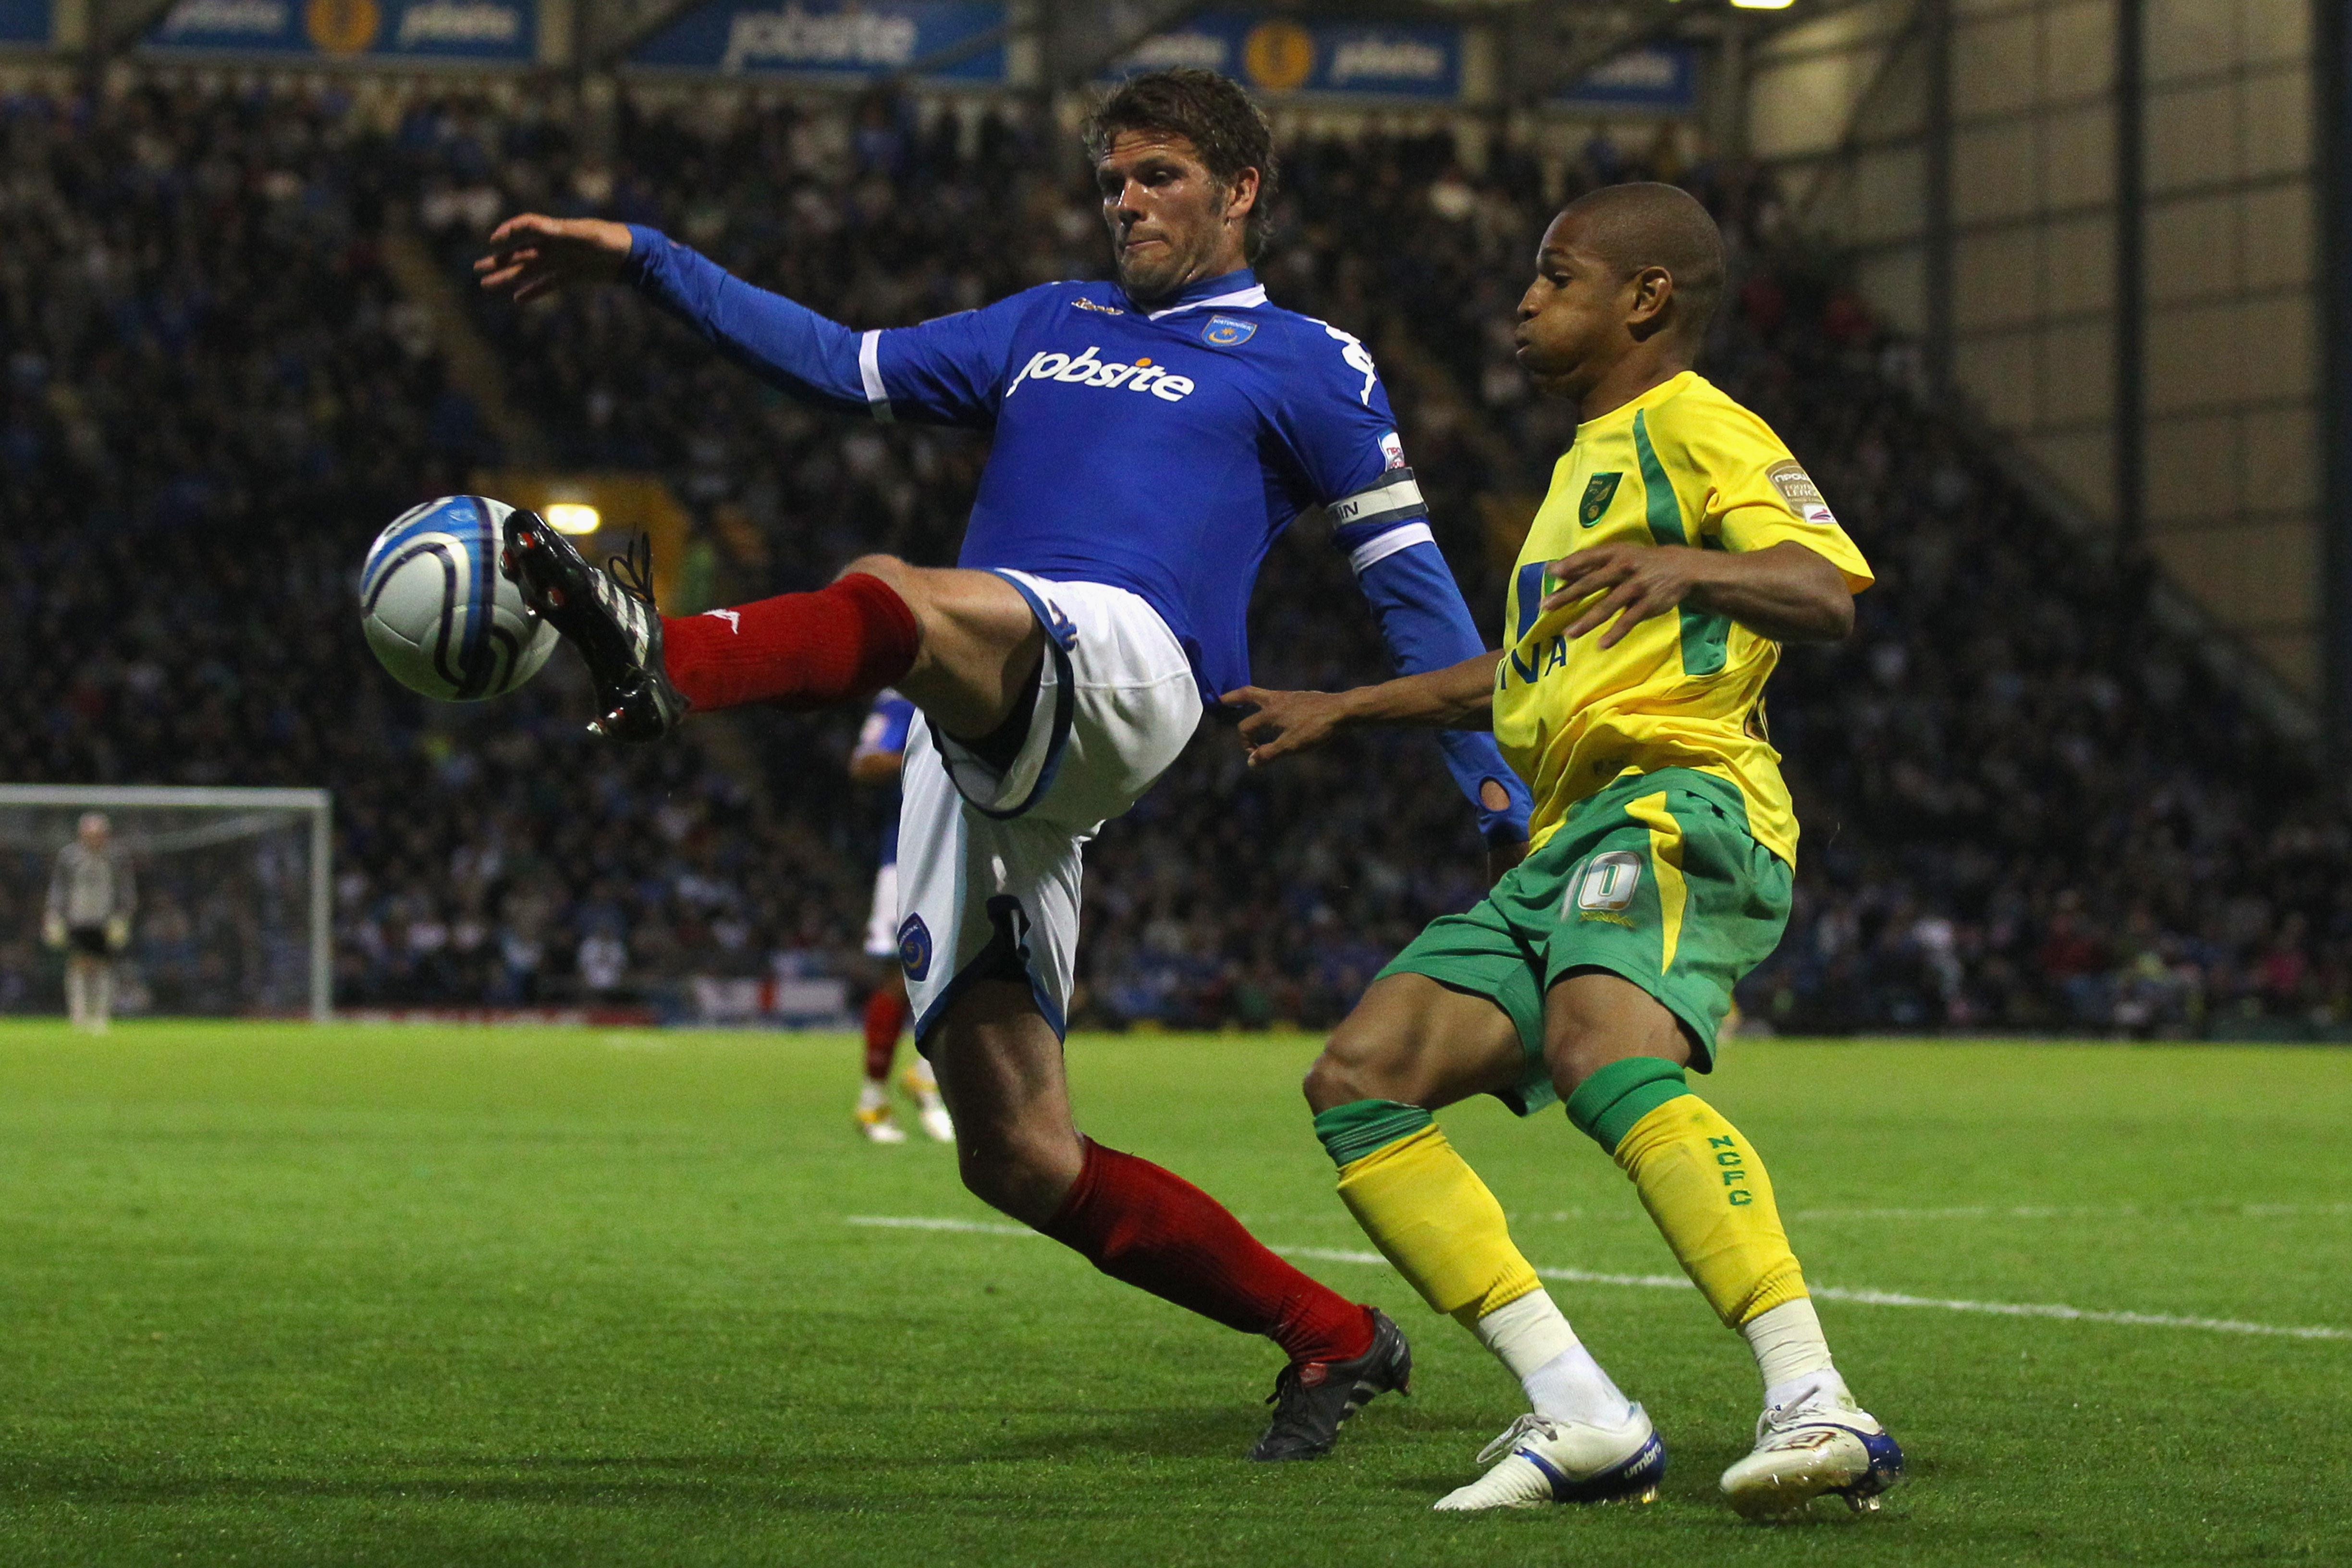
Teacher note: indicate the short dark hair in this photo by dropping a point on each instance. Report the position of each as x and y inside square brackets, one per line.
[1213, 114]
[1647, 224]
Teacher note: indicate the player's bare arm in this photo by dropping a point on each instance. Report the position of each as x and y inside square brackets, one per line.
[1787, 593]
[1459, 696]
[531, 253]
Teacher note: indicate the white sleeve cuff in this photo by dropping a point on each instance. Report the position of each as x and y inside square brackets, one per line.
[1374, 550]
[869, 373]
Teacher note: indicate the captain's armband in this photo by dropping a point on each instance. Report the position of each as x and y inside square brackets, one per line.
[1375, 523]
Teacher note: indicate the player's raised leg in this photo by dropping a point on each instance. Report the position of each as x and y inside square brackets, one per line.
[1409, 1046]
[964, 645]
[1617, 1058]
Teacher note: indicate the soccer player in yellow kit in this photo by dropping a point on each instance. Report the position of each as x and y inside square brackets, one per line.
[1680, 545]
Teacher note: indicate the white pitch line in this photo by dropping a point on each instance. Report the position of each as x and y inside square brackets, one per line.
[918, 1222]
[1858, 1297]
[1995, 1211]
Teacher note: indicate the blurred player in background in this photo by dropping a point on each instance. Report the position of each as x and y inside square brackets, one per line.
[91, 897]
[879, 757]
[1681, 531]
[1152, 439]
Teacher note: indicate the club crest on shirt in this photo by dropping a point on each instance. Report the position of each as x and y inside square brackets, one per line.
[1804, 496]
[1227, 332]
[1599, 491]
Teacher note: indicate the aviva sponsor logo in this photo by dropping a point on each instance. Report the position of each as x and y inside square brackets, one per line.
[1084, 368]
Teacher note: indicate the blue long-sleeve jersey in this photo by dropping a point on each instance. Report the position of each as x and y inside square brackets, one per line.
[1161, 450]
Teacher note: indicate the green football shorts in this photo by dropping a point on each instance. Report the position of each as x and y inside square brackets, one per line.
[1655, 878]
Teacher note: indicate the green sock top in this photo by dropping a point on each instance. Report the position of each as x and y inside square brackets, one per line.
[1352, 1131]
[1606, 1105]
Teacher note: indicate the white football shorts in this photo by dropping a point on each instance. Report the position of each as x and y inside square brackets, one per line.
[989, 860]
[882, 924]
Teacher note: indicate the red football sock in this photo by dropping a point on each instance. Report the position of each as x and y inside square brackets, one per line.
[886, 1015]
[798, 651]
[1160, 1233]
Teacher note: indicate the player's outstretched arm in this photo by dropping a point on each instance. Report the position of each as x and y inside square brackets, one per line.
[1459, 696]
[1787, 593]
[943, 372]
[532, 255]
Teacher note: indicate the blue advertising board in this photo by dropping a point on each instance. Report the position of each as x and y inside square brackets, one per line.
[24, 21]
[498, 31]
[1660, 78]
[1282, 54]
[827, 38]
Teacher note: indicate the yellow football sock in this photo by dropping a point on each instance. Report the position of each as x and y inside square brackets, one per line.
[1701, 1181]
[1425, 1208]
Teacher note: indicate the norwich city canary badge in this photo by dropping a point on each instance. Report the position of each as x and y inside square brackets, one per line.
[1597, 493]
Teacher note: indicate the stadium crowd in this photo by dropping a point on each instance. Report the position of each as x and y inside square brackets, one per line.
[2026, 805]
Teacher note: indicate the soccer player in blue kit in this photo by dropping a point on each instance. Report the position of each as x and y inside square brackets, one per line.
[1152, 437]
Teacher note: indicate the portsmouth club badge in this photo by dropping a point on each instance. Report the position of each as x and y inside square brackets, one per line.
[1599, 491]
[1227, 332]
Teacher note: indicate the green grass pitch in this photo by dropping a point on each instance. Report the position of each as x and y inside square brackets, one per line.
[280, 1295]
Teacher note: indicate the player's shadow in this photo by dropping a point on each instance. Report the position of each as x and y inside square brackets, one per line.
[1206, 1432]
[598, 1481]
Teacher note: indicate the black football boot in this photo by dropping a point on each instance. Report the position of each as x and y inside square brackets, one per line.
[608, 616]
[1311, 1398]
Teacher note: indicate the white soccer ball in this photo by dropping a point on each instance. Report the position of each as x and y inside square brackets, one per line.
[440, 615]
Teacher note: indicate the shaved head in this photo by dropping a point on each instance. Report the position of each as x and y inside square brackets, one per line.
[1645, 224]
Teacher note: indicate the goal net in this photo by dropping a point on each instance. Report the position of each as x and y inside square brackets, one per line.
[235, 898]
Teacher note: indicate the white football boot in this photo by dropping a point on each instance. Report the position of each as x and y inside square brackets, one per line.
[1824, 1443]
[937, 1123]
[874, 1117]
[1544, 1460]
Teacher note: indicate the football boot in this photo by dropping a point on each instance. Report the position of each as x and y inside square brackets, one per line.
[1310, 1398]
[1540, 1460]
[608, 616]
[1825, 1443]
[938, 1125]
[879, 1125]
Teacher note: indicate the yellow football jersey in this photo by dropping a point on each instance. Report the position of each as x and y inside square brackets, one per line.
[1682, 464]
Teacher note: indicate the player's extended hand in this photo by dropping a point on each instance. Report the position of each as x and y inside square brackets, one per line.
[118, 934]
[532, 255]
[1285, 721]
[53, 930]
[1633, 581]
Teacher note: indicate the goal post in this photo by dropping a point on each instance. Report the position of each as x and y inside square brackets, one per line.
[237, 889]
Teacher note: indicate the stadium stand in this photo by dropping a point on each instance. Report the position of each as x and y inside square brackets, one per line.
[2027, 803]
